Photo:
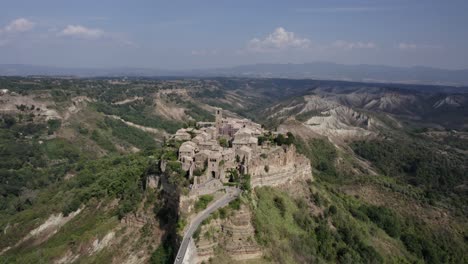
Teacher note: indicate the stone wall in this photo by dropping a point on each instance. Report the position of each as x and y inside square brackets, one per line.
[279, 165]
[191, 254]
[207, 187]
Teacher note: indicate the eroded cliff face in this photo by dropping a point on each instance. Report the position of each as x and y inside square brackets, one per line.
[325, 117]
[234, 236]
[42, 105]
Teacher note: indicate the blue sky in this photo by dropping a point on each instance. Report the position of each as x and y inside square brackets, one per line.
[201, 34]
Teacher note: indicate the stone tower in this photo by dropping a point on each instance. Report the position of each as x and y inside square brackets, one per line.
[219, 118]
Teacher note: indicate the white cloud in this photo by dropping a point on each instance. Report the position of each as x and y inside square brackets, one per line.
[280, 39]
[19, 25]
[81, 32]
[7, 33]
[406, 46]
[341, 44]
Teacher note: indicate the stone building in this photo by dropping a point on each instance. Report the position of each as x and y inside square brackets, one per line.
[267, 164]
[182, 135]
[188, 149]
[213, 165]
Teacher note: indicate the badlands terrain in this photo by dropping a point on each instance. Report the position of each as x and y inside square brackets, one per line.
[90, 172]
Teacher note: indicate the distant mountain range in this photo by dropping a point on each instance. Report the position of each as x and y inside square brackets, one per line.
[315, 70]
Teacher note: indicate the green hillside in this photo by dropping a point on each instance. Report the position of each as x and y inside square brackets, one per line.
[77, 157]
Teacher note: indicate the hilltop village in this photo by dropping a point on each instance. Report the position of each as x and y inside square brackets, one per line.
[214, 151]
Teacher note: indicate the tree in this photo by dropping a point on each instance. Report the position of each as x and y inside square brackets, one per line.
[332, 210]
[223, 143]
[280, 140]
[233, 175]
[54, 125]
[261, 139]
[163, 254]
[280, 204]
[9, 121]
[245, 183]
[290, 139]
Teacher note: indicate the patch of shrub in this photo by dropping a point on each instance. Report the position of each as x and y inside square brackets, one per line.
[53, 125]
[384, 218]
[203, 202]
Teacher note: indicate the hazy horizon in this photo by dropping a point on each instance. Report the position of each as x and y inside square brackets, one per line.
[228, 66]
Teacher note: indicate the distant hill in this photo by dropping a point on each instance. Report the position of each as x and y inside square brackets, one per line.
[360, 73]
[28, 70]
[315, 70]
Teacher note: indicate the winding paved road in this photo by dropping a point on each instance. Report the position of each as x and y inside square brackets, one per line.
[231, 194]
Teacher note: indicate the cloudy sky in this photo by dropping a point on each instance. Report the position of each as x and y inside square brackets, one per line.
[201, 34]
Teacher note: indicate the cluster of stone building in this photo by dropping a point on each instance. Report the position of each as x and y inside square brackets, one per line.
[202, 155]
[209, 154]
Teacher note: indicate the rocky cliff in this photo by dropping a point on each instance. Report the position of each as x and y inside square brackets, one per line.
[233, 236]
